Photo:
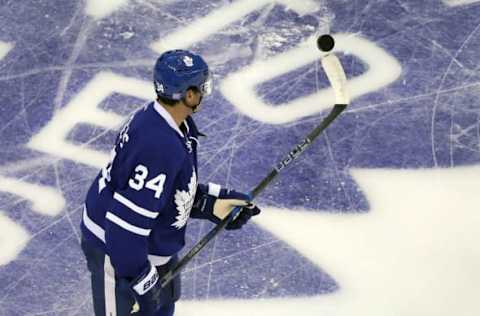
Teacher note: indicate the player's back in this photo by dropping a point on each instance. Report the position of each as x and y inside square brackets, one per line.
[151, 160]
[140, 138]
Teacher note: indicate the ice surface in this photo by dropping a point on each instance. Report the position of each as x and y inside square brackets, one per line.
[379, 217]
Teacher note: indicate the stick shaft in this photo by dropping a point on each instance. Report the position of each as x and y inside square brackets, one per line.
[292, 155]
[299, 149]
[338, 81]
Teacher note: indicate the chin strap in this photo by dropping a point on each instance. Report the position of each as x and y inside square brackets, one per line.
[194, 108]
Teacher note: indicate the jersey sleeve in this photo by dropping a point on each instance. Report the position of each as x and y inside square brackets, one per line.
[149, 181]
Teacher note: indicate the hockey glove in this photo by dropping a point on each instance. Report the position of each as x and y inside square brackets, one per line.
[215, 203]
[148, 292]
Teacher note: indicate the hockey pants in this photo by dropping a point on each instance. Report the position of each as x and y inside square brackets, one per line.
[113, 296]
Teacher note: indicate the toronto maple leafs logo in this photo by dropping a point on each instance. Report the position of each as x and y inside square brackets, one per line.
[188, 61]
[184, 202]
[159, 87]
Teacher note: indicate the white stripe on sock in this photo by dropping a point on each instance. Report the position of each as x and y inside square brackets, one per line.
[109, 287]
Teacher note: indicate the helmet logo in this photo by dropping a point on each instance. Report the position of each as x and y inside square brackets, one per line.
[159, 87]
[188, 61]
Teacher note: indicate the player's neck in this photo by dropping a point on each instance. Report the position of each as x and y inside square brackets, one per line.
[178, 112]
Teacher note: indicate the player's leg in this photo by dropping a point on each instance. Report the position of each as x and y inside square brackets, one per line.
[94, 262]
[110, 298]
[113, 297]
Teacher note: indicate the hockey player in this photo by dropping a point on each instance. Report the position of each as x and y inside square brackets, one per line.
[138, 206]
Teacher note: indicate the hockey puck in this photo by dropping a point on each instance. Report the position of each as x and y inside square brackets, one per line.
[325, 43]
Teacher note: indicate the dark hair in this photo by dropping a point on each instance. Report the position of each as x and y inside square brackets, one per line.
[166, 101]
[170, 102]
[194, 89]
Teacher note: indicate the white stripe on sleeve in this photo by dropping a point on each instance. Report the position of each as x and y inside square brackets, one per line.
[158, 260]
[127, 226]
[137, 209]
[92, 226]
[214, 189]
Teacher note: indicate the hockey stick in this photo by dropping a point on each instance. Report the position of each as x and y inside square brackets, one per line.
[337, 78]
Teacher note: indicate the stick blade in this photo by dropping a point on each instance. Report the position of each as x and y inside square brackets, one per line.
[336, 75]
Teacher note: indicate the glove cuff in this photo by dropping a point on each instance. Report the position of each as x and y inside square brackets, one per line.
[146, 280]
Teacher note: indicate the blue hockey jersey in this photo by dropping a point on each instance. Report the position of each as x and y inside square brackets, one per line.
[138, 206]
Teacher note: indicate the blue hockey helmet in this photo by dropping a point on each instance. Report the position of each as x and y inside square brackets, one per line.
[178, 70]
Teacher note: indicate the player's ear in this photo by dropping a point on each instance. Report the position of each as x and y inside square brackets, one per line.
[190, 93]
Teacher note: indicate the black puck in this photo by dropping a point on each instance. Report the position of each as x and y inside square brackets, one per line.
[325, 43]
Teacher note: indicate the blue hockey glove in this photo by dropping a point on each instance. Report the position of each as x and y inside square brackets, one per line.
[215, 203]
[148, 292]
[149, 295]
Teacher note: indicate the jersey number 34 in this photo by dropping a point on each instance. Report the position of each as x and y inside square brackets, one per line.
[137, 182]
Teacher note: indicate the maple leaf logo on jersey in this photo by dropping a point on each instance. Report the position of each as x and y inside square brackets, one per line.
[184, 201]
